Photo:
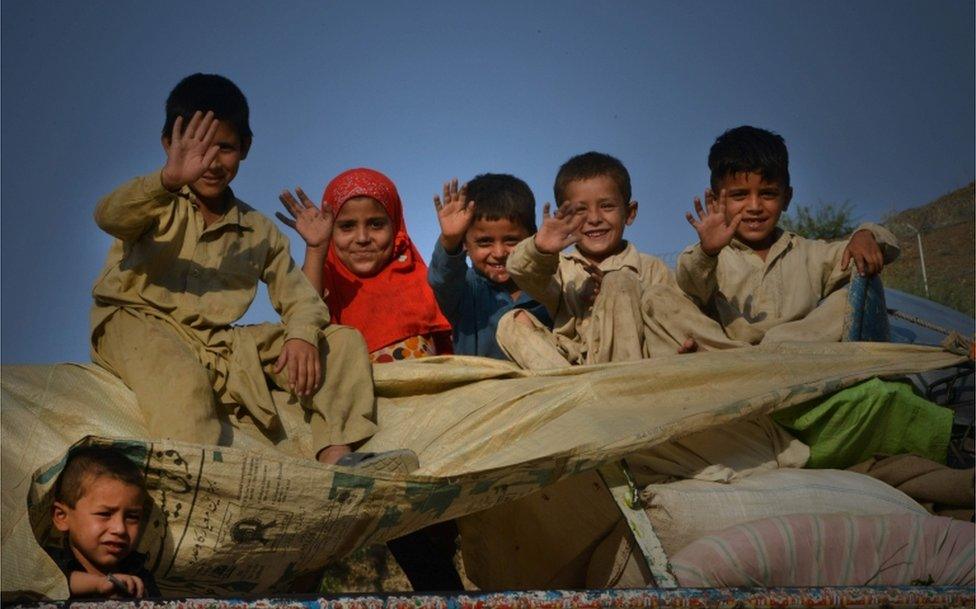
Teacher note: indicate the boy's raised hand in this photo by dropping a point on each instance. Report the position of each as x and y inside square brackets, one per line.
[864, 250]
[455, 214]
[313, 224]
[558, 230]
[190, 151]
[714, 230]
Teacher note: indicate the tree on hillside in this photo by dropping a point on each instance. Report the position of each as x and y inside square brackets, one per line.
[826, 221]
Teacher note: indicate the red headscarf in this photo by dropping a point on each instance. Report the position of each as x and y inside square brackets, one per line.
[397, 302]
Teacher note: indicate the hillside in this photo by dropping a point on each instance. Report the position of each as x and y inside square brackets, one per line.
[949, 247]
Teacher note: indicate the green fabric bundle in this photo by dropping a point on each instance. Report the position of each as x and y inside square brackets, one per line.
[874, 417]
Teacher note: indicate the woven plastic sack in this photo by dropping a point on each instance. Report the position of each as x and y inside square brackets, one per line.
[832, 550]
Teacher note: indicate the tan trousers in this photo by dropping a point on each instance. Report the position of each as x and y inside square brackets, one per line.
[627, 323]
[824, 324]
[174, 381]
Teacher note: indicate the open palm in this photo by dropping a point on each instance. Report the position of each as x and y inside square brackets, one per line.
[714, 230]
[560, 229]
[313, 224]
[190, 151]
[454, 212]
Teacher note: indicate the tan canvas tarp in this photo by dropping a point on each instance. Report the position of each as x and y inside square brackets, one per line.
[250, 518]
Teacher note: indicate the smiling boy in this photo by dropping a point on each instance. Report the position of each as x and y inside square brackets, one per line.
[484, 220]
[100, 508]
[184, 267]
[608, 301]
[764, 284]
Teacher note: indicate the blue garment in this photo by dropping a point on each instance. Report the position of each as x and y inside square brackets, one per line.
[473, 303]
[867, 314]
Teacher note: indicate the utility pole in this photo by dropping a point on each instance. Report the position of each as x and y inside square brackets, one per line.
[921, 256]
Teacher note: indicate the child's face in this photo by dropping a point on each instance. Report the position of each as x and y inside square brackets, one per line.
[606, 212]
[363, 236]
[210, 187]
[103, 527]
[761, 203]
[489, 242]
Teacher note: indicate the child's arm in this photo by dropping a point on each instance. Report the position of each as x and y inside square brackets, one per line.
[315, 227]
[81, 583]
[696, 265]
[302, 312]
[864, 251]
[447, 270]
[870, 247]
[129, 211]
[534, 262]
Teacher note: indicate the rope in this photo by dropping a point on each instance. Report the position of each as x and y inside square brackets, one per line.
[918, 321]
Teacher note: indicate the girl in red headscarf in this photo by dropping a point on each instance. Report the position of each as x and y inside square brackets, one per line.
[360, 258]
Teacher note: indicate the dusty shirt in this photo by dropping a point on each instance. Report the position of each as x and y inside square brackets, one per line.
[165, 263]
[203, 278]
[748, 295]
[561, 283]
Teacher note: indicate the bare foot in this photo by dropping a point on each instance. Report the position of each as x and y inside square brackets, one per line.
[330, 454]
[689, 346]
[522, 317]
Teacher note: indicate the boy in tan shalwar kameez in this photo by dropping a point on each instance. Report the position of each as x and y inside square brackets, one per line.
[608, 302]
[764, 284]
[185, 266]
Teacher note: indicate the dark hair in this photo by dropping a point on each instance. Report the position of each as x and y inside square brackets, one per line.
[591, 165]
[749, 150]
[88, 463]
[203, 92]
[500, 196]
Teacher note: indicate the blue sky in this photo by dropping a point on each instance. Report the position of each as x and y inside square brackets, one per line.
[875, 100]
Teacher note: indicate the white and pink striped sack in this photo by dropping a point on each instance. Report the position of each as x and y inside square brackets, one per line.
[832, 550]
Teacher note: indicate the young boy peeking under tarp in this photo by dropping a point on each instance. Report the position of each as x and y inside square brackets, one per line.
[100, 508]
